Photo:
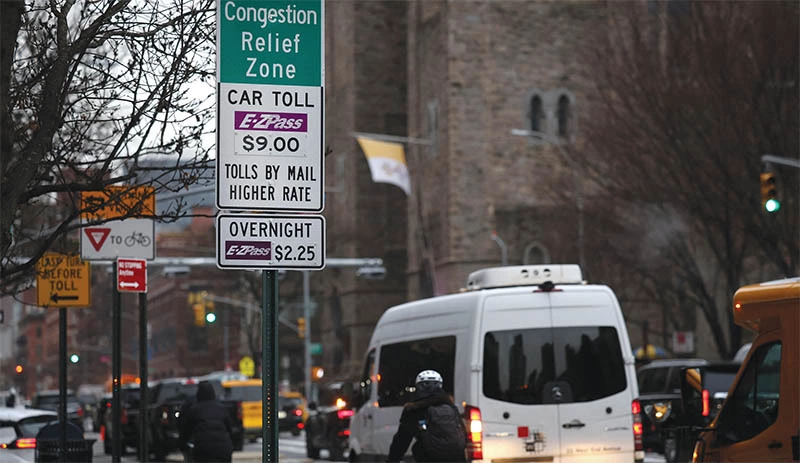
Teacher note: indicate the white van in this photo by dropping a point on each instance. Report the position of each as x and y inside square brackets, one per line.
[538, 361]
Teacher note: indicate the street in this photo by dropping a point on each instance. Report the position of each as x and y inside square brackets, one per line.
[292, 450]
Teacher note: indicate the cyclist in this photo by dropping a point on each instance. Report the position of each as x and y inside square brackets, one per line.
[433, 421]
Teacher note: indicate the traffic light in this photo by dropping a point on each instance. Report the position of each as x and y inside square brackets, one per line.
[18, 369]
[202, 307]
[301, 327]
[74, 358]
[317, 373]
[769, 192]
[199, 314]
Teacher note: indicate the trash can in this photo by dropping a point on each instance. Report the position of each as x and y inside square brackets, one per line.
[77, 447]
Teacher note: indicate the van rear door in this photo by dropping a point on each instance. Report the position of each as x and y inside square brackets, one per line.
[594, 414]
[518, 413]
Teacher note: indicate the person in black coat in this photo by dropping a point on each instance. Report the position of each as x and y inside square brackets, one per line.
[207, 425]
[429, 393]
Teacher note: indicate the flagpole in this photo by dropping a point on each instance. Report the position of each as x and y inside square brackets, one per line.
[393, 138]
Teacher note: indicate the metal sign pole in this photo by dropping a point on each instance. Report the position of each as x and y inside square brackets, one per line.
[269, 365]
[62, 384]
[116, 368]
[143, 451]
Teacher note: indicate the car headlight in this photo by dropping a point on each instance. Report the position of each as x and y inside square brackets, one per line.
[660, 411]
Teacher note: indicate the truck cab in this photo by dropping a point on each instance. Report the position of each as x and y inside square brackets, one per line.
[759, 419]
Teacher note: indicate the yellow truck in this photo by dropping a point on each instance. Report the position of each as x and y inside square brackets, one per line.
[760, 419]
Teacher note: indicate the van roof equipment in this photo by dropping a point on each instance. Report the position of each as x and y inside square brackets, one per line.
[524, 275]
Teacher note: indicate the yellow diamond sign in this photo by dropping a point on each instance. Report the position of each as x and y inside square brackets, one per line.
[247, 366]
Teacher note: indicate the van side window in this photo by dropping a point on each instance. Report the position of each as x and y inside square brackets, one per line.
[519, 366]
[754, 404]
[365, 385]
[401, 362]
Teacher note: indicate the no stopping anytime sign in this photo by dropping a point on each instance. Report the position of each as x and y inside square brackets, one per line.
[270, 242]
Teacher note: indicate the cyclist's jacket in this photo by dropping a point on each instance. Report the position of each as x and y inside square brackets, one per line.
[413, 422]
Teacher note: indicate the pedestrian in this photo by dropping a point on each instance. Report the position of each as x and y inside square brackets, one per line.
[11, 400]
[207, 426]
[433, 421]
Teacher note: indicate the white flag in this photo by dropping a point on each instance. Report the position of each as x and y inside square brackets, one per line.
[387, 162]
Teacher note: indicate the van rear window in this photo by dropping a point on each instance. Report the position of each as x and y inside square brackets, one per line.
[523, 366]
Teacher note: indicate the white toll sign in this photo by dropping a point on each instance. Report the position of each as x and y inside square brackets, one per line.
[270, 242]
[270, 148]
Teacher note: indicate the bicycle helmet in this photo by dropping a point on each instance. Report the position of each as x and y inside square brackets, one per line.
[428, 381]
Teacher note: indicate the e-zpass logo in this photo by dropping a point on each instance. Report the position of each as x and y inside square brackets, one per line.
[248, 250]
[273, 122]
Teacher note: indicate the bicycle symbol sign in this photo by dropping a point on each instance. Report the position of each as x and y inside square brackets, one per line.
[133, 238]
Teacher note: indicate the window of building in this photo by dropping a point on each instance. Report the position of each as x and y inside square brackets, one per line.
[401, 362]
[38, 332]
[537, 114]
[564, 116]
[753, 407]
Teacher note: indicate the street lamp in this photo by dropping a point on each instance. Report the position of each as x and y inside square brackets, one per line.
[558, 143]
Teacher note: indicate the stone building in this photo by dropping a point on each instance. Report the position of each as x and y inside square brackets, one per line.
[470, 77]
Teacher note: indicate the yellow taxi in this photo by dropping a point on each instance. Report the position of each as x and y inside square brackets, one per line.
[248, 393]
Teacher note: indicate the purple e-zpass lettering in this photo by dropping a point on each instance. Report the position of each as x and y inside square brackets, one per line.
[271, 122]
[248, 250]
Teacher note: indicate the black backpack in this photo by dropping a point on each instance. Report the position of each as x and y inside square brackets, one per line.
[443, 437]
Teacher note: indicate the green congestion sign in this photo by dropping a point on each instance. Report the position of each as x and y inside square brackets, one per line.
[273, 42]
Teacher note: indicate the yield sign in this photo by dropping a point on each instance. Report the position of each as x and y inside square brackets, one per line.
[97, 236]
[132, 275]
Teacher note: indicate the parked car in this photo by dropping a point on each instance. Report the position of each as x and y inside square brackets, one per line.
[290, 413]
[49, 400]
[660, 398]
[18, 429]
[166, 398]
[328, 424]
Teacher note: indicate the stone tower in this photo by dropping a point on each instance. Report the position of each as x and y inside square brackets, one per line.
[462, 75]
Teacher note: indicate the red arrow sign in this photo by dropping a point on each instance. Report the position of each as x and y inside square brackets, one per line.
[132, 275]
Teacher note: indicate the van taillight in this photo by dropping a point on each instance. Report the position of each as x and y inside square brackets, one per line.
[706, 405]
[474, 432]
[638, 448]
[80, 412]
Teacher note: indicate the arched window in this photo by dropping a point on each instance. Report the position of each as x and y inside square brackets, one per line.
[536, 253]
[564, 116]
[537, 114]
